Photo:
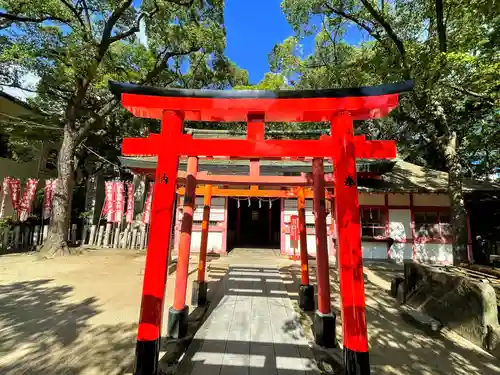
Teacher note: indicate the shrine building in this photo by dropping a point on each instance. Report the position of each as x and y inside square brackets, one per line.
[405, 209]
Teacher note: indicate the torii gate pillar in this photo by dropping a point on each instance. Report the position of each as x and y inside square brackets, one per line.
[306, 291]
[289, 106]
[155, 275]
[350, 258]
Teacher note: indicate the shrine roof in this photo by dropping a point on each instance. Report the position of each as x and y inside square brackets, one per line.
[397, 176]
[282, 105]
[267, 167]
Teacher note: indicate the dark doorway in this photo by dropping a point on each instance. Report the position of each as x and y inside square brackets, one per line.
[484, 219]
[259, 227]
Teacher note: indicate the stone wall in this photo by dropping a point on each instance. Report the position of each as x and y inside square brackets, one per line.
[466, 305]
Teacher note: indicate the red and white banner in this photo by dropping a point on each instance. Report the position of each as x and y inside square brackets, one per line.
[119, 201]
[129, 217]
[15, 192]
[146, 216]
[48, 197]
[294, 228]
[5, 191]
[108, 208]
[24, 207]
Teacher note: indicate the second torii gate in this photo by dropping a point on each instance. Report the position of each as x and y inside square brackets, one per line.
[338, 106]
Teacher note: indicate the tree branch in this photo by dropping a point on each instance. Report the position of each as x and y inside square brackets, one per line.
[357, 21]
[109, 25]
[136, 27]
[77, 15]
[391, 33]
[87, 15]
[441, 29]
[182, 3]
[463, 90]
[9, 18]
[163, 61]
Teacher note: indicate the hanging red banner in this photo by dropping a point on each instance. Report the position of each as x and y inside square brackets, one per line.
[15, 192]
[119, 201]
[24, 207]
[147, 205]
[294, 228]
[129, 217]
[109, 201]
[48, 197]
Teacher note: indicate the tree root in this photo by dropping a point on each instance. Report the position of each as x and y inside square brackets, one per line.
[52, 250]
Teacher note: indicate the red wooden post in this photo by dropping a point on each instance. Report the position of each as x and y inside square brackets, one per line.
[350, 259]
[199, 295]
[363, 103]
[324, 320]
[306, 291]
[155, 273]
[178, 313]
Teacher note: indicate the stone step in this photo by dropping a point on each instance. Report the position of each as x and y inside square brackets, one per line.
[420, 319]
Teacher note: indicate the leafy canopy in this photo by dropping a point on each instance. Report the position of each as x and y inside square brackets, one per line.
[449, 49]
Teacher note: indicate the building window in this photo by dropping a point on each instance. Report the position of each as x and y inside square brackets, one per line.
[373, 222]
[4, 147]
[51, 163]
[433, 226]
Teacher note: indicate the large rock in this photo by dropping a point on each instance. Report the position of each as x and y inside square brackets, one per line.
[465, 305]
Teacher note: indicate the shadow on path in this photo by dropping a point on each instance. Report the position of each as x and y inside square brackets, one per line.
[397, 347]
[249, 328]
[42, 333]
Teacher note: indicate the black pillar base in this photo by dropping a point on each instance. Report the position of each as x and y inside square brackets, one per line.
[199, 293]
[324, 330]
[306, 297]
[395, 284]
[177, 322]
[146, 357]
[356, 363]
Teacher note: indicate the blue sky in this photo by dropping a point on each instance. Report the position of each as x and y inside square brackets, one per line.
[254, 27]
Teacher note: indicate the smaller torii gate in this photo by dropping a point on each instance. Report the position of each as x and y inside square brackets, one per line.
[338, 106]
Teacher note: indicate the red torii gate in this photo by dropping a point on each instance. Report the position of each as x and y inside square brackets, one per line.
[338, 106]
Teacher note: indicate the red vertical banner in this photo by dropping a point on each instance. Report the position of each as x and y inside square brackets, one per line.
[24, 206]
[129, 216]
[294, 228]
[294, 234]
[119, 201]
[48, 198]
[108, 206]
[15, 192]
[146, 216]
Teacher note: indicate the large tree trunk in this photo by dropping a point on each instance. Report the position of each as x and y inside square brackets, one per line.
[57, 240]
[458, 212]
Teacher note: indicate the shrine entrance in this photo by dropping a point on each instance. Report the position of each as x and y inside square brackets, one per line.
[253, 224]
[339, 107]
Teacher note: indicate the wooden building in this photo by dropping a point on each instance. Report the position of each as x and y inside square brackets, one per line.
[405, 209]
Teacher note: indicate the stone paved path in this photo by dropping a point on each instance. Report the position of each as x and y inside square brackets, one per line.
[251, 329]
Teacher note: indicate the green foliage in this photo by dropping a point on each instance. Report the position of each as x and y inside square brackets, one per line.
[76, 47]
[6, 222]
[453, 59]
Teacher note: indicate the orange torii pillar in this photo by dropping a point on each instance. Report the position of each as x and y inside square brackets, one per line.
[324, 319]
[199, 294]
[179, 312]
[306, 291]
